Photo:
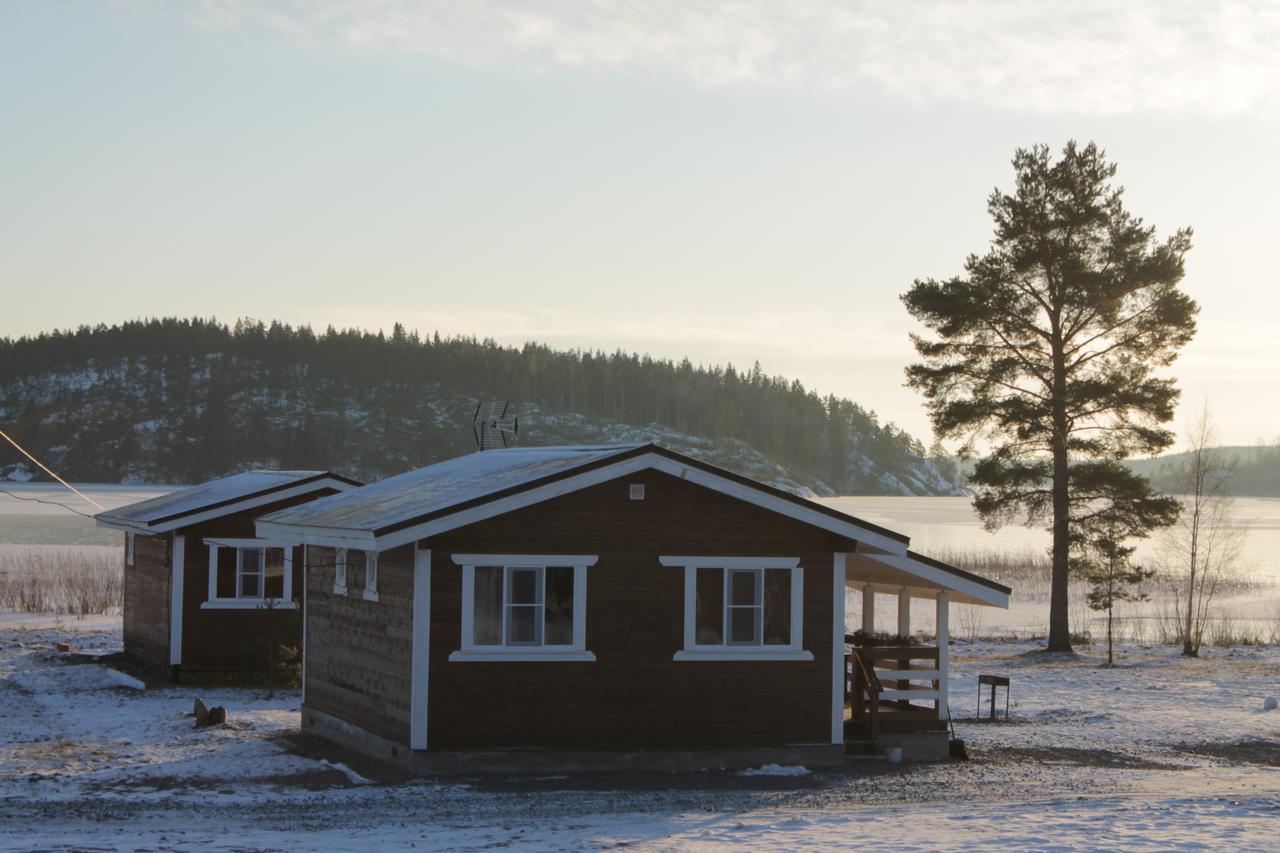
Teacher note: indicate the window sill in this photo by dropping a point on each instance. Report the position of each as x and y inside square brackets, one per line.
[370, 595]
[248, 604]
[727, 654]
[514, 655]
[339, 590]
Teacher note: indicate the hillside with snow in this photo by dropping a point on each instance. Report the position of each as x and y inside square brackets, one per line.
[174, 403]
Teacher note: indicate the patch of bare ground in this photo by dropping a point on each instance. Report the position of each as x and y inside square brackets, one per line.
[1262, 752]
[1079, 757]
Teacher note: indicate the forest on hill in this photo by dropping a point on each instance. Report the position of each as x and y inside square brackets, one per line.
[1255, 470]
[182, 400]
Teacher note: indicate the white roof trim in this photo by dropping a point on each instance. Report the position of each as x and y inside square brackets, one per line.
[348, 538]
[700, 562]
[227, 509]
[980, 593]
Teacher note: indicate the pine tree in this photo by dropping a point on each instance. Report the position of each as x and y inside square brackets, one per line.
[1045, 350]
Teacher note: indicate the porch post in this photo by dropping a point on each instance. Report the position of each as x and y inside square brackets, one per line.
[421, 649]
[904, 612]
[944, 653]
[868, 609]
[837, 650]
[179, 572]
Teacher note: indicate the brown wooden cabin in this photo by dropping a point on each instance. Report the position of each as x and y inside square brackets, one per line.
[590, 601]
[195, 623]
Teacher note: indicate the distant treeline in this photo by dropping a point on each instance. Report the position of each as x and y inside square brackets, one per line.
[205, 370]
[1255, 470]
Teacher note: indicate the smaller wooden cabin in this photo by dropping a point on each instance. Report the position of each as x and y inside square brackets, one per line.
[203, 595]
[576, 607]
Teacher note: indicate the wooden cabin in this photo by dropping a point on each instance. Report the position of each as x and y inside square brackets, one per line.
[582, 606]
[203, 595]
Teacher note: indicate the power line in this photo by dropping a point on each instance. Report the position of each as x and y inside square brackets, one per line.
[43, 501]
[50, 472]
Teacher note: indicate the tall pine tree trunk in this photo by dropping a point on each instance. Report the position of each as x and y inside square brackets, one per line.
[1059, 623]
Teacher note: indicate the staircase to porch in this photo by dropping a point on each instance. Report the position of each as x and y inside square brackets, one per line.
[891, 690]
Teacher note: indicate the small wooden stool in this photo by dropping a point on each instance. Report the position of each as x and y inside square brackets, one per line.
[995, 681]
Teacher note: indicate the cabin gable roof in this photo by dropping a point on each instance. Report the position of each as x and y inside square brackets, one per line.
[218, 498]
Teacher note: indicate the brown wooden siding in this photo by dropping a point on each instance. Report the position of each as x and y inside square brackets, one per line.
[146, 600]
[634, 695]
[359, 652]
[233, 642]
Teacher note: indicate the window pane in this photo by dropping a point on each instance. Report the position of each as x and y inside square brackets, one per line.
[487, 615]
[742, 587]
[250, 573]
[743, 622]
[250, 585]
[777, 607]
[524, 586]
[273, 583]
[559, 604]
[709, 626]
[522, 625]
[227, 572]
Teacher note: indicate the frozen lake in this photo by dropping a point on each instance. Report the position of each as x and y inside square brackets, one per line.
[935, 525]
[939, 525]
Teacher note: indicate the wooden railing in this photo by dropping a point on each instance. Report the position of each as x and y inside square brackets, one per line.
[892, 679]
[865, 690]
[899, 666]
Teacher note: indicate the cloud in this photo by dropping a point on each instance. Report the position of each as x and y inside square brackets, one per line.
[1081, 56]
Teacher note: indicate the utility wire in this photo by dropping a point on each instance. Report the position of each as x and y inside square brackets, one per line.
[49, 471]
[43, 501]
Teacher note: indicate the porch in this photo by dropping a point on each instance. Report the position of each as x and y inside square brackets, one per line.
[894, 686]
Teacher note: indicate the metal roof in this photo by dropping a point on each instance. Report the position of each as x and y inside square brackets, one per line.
[208, 496]
[439, 487]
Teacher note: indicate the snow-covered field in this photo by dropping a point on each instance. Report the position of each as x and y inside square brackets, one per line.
[1157, 753]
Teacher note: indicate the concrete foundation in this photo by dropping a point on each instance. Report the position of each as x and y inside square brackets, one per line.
[919, 746]
[427, 763]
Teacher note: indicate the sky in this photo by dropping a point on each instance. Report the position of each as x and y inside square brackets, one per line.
[730, 181]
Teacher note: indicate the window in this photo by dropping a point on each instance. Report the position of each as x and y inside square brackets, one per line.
[523, 607]
[742, 608]
[371, 575]
[249, 573]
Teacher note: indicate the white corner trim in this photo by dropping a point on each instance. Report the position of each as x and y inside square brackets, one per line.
[703, 562]
[178, 559]
[526, 560]
[511, 655]
[128, 548]
[420, 652]
[249, 604]
[837, 649]
[728, 653]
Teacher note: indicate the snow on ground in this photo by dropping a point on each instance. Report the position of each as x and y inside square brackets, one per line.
[1157, 753]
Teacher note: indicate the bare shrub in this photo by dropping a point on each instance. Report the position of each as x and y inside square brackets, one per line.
[77, 582]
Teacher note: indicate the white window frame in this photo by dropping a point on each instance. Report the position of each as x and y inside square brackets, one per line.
[693, 651]
[577, 651]
[340, 571]
[285, 602]
[370, 576]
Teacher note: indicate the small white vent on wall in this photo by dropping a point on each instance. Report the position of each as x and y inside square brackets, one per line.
[637, 491]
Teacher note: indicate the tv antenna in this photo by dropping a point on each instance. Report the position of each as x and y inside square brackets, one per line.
[492, 426]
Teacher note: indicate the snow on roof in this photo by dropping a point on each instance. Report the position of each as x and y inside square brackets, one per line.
[205, 496]
[441, 486]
